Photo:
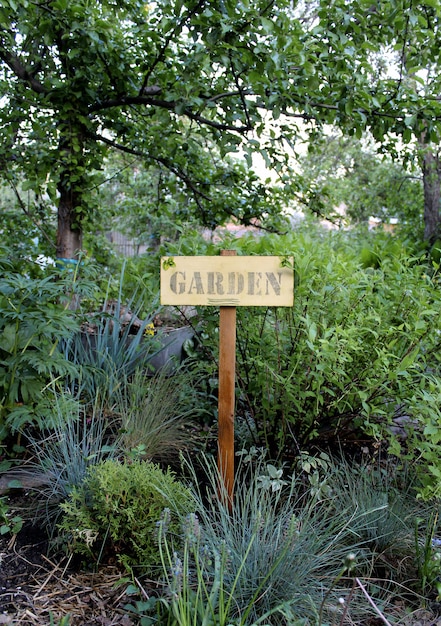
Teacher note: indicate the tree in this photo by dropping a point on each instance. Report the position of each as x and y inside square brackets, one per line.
[349, 173]
[403, 84]
[180, 84]
[166, 83]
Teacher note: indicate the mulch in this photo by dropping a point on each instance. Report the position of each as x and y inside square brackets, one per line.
[35, 590]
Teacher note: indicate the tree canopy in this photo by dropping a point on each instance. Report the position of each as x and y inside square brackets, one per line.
[182, 85]
[350, 182]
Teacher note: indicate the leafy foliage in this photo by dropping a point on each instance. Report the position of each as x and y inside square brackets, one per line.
[357, 352]
[350, 174]
[182, 85]
[35, 318]
[27, 228]
[9, 522]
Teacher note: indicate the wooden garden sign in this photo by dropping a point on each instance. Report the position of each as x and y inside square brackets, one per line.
[227, 281]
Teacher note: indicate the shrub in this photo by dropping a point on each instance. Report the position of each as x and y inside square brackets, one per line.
[357, 353]
[34, 319]
[115, 510]
[319, 372]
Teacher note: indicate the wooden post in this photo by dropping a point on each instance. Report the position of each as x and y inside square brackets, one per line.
[226, 400]
[221, 281]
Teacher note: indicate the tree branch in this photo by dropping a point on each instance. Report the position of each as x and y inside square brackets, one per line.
[20, 71]
[146, 100]
[226, 94]
[241, 93]
[161, 160]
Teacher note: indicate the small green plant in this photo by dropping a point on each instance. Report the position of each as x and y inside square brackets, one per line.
[9, 523]
[316, 469]
[64, 621]
[428, 557]
[147, 612]
[115, 510]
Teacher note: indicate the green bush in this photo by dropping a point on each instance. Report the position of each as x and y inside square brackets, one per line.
[348, 355]
[34, 318]
[357, 353]
[115, 510]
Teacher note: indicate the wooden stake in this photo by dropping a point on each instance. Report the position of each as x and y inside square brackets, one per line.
[226, 401]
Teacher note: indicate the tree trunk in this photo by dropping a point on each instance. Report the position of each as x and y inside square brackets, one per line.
[69, 236]
[431, 167]
[71, 186]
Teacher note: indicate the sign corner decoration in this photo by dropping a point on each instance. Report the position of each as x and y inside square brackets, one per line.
[227, 280]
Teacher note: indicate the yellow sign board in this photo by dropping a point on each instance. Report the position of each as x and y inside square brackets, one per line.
[227, 281]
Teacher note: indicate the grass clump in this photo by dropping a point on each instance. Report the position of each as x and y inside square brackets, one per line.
[76, 438]
[270, 560]
[384, 512]
[113, 513]
[155, 415]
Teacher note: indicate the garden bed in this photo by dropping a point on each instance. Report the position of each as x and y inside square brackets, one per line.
[34, 589]
[37, 588]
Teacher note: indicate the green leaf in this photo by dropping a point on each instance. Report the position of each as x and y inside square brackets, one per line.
[9, 338]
